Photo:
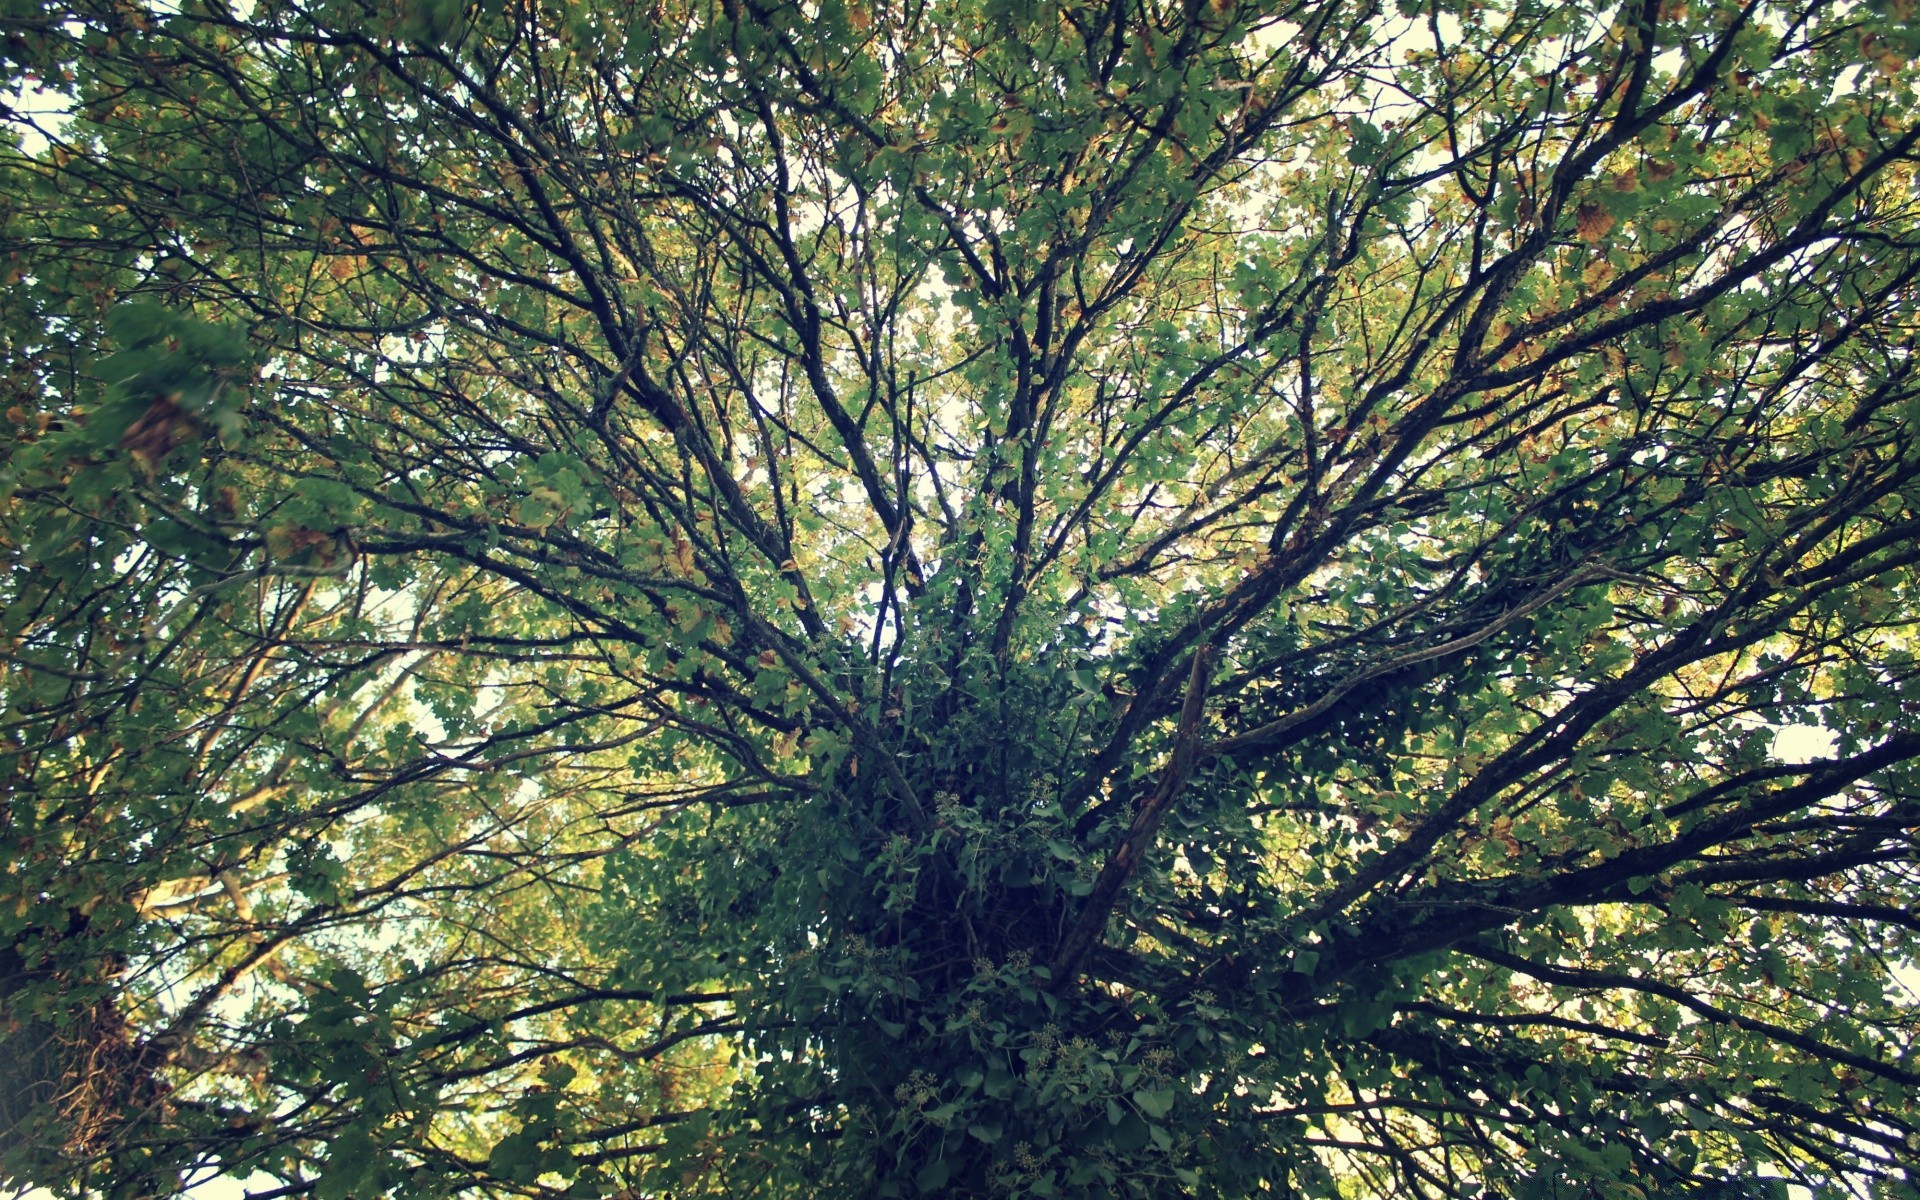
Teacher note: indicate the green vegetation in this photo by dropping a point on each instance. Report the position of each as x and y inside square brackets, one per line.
[1018, 598]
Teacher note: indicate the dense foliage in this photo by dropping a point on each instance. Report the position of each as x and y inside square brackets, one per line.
[980, 597]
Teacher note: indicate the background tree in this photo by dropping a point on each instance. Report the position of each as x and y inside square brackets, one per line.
[991, 597]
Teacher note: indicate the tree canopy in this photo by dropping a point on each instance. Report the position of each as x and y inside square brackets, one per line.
[1020, 598]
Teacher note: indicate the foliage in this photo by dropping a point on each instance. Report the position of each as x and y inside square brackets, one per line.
[982, 597]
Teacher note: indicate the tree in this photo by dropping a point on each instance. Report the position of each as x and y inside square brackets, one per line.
[989, 597]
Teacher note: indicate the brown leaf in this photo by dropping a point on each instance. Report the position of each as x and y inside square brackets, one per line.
[157, 431]
[1592, 222]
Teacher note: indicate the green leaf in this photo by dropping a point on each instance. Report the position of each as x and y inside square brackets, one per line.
[1154, 1102]
[932, 1177]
